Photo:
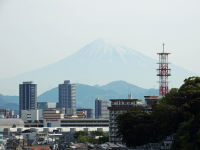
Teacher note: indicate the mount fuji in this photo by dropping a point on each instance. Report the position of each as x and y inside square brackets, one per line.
[99, 62]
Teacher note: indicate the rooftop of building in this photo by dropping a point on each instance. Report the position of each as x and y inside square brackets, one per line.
[127, 100]
[85, 119]
[11, 121]
[98, 99]
[47, 102]
[38, 147]
[125, 107]
[28, 82]
[50, 110]
[84, 109]
[150, 96]
[67, 82]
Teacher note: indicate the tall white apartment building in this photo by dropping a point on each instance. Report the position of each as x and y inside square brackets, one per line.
[118, 106]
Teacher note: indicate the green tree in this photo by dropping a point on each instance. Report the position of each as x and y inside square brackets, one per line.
[83, 139]
[164, 119]
[135, 127]
[90, 137]
[103, 139]
[188, 135]
[97, 133]
[78, 133]
[178, 112]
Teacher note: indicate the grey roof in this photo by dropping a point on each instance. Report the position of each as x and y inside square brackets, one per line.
[11, 121]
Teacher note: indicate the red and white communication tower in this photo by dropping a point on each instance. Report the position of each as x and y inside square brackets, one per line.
[163, 72]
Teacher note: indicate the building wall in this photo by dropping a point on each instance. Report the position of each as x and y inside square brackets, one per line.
[64, 129]
[5, 112]
[52, 114]
[27, 96]
[84, 122]
[51, 122]
[41, 114]
[11, 122]
[151, 100]
[81, 113]
[89, 112]
[46, 105]
[38, 123]
[29, 115]
[1, 139]
[67, 97]
[101, 109]
[77, 123]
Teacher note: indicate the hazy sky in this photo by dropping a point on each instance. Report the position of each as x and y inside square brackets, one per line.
[34, 33]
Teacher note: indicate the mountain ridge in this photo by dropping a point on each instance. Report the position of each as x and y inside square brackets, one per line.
[86, 94]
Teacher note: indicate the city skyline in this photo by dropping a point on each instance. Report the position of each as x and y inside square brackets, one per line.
[68, 70]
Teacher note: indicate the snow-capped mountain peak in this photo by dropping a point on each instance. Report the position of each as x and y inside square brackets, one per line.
[107, 51]
[98, 62]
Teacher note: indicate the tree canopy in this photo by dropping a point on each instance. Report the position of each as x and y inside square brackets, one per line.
[90, 137]
[177, 113]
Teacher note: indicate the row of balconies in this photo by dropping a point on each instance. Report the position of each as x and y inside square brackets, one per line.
[123, 103]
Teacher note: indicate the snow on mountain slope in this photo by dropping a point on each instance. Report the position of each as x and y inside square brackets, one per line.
[104, 51]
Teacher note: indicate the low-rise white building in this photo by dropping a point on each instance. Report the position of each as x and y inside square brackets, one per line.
[76, 123]
[63, 129]
[10, 123]
[30, 115]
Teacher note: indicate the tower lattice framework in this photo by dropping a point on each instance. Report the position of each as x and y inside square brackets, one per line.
[163, 72]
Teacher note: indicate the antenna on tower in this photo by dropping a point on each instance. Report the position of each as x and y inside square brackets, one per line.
[163, 47]
[130, 96]
[163, 72]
